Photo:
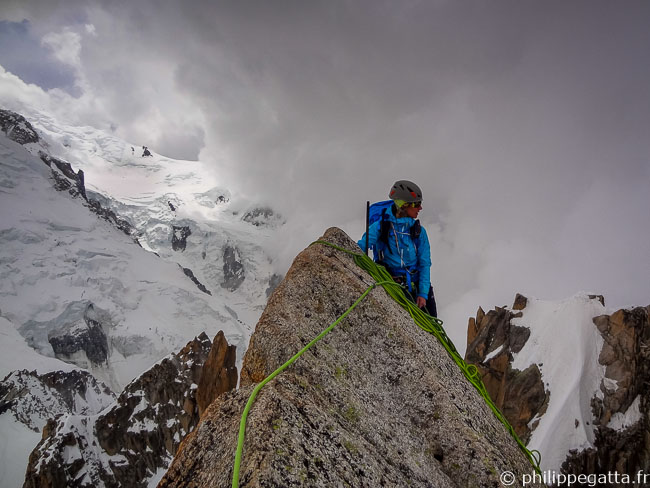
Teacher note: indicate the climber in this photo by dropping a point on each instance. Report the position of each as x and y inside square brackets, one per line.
[400, 243]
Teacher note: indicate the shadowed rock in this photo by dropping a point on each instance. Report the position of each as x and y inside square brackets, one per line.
[233, 269]
[179, 237]
[17, 128]
[219, 373]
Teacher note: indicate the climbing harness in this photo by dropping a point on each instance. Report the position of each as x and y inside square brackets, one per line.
[426, 322]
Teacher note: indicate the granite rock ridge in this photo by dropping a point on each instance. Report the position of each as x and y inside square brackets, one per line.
[377, 402]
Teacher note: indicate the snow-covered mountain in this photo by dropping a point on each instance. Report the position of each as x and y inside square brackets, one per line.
[110, 261]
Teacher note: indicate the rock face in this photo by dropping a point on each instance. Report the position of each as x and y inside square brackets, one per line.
[179, 237]
[28, 400]
[492, 340]
[32, 399]
[622, 416]
[130, 442]
[65, 179]
[219, 372]
[87, 336]
[233, 269]
[76, 336]
[378, 402]
[262, 216]
[190, 274]
[17, 128]
[620, 410]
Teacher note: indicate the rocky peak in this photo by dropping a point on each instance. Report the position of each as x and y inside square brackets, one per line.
[219, 372]
[377, 402]
[492, 340]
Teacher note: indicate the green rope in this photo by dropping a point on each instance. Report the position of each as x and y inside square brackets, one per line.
[256, 390]
[433, 325]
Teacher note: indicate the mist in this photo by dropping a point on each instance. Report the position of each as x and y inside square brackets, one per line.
[525, 123]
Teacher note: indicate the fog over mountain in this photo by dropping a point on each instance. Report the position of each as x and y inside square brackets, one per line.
[524, 123]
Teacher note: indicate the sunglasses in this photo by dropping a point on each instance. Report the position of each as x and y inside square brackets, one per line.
[414, 204]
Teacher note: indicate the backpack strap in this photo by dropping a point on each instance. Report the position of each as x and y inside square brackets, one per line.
[384, 228]
[415, 231]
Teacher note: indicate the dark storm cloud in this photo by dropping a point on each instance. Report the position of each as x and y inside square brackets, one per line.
[525, 123]
[22, 54]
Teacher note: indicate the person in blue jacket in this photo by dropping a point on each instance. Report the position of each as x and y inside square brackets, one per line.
[401, 245]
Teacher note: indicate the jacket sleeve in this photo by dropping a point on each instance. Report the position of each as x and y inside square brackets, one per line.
[373, 236]
[424, 264]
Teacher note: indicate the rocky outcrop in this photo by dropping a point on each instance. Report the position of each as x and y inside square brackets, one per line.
[492, 340]
[262, 216]
[128, 443]
[108, 215]
[233, 269]
[33, 398]
[190, 274]
[622, 416]
[65, 178]
[86, 335]
[179, 237]
[17, 128]
[219, 372]
[620, 419]
[378, 402]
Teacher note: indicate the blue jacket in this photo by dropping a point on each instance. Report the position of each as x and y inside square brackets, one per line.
[401, 256]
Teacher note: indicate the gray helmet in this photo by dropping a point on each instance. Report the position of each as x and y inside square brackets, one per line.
[406, 191]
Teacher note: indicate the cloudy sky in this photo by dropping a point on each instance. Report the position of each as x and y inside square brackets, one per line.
[525, 123]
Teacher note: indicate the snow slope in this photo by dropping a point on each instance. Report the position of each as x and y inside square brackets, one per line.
[61, 265]
[565, 344]
[55, 253]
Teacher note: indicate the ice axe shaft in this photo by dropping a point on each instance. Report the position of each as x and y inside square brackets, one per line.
[367, 223]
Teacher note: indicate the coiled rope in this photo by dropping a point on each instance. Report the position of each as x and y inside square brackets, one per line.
[426, 322]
